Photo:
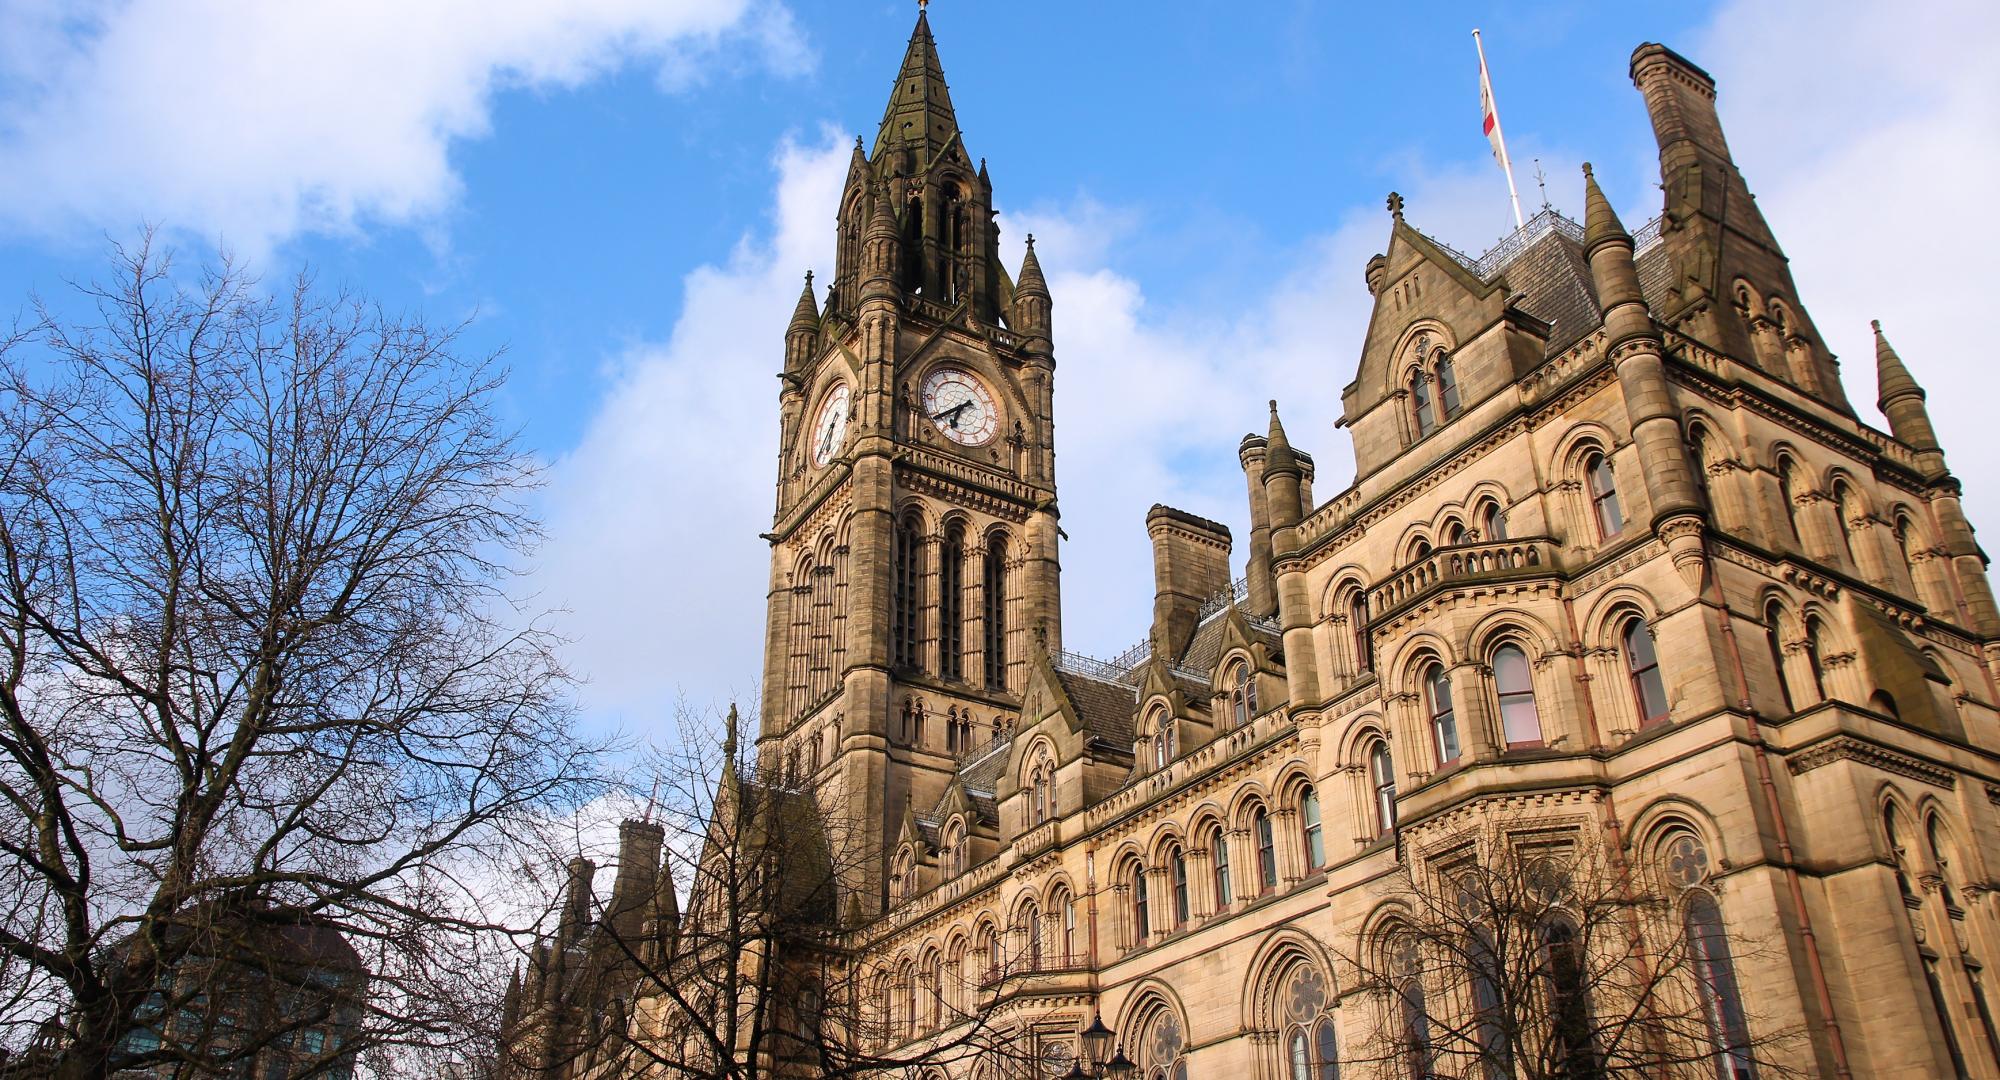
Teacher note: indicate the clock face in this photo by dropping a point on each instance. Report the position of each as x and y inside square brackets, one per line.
[829, 430]
[961, 406]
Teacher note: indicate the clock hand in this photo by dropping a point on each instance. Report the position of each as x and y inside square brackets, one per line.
[954, 412]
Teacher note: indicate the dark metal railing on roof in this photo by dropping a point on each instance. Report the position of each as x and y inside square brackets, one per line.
[1119, 668]
[1513, 244]
[1648, 234]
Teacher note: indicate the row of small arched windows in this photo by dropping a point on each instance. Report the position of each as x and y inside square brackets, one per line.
[1152, 916]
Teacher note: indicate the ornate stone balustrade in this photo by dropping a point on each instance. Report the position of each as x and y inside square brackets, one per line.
[1460, 565]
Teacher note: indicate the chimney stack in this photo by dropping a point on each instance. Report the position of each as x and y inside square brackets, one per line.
[1190, 564]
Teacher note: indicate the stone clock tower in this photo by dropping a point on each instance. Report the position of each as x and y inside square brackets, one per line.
[913, 554]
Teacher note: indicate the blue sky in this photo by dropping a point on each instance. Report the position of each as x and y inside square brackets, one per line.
[625, 192]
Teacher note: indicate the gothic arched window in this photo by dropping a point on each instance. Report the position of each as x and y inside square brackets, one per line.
[1218, 847]
[1309, 829]
[1815, 639]
[1447, 388]
[1242, 695]
[1605, 508]
[907, 584]
[1312, 1049]
[1420, 404]
[1642, 665]
[1162, 734]
[1443, 720]
[1177, 869]
[1357, 618]
[1065, 908]
[1141, 913]
[951, 603]
[996, 611]
[1382, 771]
[1572, 1030]
[1031, 935]
[1160, 1048]
[1267, 850]
[1772, 620]
[1513, 681]
[1494, 526]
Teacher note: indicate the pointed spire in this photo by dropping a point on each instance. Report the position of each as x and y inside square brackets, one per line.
[919, 114]
[1031, 282]
[1278, 455]
[806, 315]
[1600, 222]
[510, 1004]
[729, 725]
[1892, 379]
[882, 223]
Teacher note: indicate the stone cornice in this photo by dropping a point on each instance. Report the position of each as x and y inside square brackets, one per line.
[1848, 748]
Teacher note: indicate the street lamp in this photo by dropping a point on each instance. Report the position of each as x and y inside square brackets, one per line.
[1097, 1039]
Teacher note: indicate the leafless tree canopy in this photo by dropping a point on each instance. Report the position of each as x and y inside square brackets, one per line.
[740, 959]
[1524, 952]
[258, 667]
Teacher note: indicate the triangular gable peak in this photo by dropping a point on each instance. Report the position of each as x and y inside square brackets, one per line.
[1432, 305]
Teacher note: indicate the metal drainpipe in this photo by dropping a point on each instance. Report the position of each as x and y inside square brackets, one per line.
[1822, 995]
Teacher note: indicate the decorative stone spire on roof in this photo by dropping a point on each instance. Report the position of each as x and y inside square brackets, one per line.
[1278, 455]
[1892, 379]
[1600, 222]
[1031, 282]
[806, 315]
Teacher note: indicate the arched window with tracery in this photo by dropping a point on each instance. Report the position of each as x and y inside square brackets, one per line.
[1310, 834]
[1442, 717]
[907, 587]
[995, 615]
[1602, 483]
[951, 603]
[1162, 1047]
[1218, 849]
[1160, 726]
[1041, 788]
[1418, 1051]
[1642, 670]
[986, 947]
[1382, 776]
[1312, 1047]
[1493, 526]
[954, 849]
[1514, 685]
[1267, 849]
[1686, 869]
[1242, 694]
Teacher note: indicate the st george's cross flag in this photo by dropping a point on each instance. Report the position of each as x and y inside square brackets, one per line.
[1489, 120]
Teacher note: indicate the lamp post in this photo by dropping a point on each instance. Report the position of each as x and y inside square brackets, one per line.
[1097, 1040]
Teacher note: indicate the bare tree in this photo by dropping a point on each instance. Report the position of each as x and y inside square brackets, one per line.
[740, 957]
[260, 677]
[1522, 951]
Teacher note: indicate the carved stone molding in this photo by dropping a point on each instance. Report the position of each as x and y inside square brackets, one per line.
[1845, 748]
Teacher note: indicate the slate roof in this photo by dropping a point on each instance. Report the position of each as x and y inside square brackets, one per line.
[1105, 707]
[1205, 645]
[1553, 274]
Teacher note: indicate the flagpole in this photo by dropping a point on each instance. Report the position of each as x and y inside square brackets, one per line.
[1499, 132]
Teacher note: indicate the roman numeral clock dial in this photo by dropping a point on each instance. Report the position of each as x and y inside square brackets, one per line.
[829, 431]
[961, 406]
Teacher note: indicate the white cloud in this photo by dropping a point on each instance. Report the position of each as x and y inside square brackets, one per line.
[653, 518]
[1871, 134]
[258, 121]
